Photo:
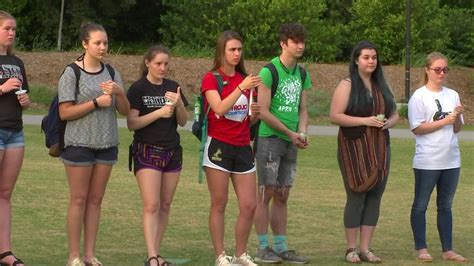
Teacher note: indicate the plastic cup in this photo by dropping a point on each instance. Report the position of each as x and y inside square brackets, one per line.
[381, 117]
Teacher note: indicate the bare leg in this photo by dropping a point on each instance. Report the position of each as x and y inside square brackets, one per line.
[279, 211]
[98, 182]
[169, 182]
[10, 166]
[245, 187]
[366, 234]
[351, 237]
[218, 185]
[78, 177]
[149, 182]
[261, 217]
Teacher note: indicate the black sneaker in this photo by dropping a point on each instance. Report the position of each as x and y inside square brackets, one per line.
[292, 257]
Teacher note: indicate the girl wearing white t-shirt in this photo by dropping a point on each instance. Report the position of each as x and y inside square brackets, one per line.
[435, 117]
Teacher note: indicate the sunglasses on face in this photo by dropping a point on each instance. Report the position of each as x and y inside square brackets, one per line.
[438, 70]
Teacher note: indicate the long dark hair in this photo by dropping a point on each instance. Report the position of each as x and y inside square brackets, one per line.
[219, 55]
[4, 16]
[359, 98]
[149, 55]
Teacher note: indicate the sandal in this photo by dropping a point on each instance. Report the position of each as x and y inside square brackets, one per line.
[368, 256]
[456, 258]
[75, 262]
[16, 262]
[163, 262]
[425, 257]
[94, 262]
[148, 261]
[352, 256]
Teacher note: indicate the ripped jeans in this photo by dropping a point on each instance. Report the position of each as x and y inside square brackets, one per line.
[276, 162]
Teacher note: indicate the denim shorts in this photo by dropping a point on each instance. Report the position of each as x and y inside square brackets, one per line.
[83, 156]
[11, 139]
[276, 162]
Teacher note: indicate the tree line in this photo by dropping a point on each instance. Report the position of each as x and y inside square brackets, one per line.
[334, 26]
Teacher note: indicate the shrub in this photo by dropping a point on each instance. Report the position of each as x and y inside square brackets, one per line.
[41, 95]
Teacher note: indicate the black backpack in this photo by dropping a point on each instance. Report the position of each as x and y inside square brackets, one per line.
[52, 125]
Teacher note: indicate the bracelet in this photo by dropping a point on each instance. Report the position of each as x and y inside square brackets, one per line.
[96, 104]
[240, 89]
[1, 92]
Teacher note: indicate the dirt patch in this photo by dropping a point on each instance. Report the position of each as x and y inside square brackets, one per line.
[45, 68]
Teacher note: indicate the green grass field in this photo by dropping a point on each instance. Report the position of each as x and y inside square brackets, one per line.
[315, 210]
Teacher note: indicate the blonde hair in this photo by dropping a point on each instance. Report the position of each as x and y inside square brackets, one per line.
[430, 59]
[4, 15]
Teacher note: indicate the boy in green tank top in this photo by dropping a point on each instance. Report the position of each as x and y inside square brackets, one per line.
[282, 131]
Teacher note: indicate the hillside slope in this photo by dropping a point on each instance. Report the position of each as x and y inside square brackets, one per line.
[45, 68]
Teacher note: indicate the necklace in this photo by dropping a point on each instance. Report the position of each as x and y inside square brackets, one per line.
[286, 69]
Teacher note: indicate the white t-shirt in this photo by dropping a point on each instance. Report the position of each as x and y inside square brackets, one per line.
[439, 149]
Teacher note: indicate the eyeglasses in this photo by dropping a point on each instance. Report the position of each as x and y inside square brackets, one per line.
[438, 70]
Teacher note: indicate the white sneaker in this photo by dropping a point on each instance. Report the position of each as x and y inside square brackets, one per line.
[244, 260]
[223, 260]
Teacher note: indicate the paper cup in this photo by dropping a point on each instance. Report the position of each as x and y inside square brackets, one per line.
[20, 92]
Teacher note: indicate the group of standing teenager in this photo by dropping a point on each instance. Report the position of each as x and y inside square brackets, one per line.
[275, 100]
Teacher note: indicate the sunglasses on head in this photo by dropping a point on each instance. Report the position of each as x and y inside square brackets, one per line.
[438, 70]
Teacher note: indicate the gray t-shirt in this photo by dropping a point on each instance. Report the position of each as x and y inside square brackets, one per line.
[97, 129]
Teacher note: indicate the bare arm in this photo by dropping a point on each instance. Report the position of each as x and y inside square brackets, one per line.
[452, 119]
[339, 103]
[121, 102]
[180, 109]
[221, 106]
[303, 113]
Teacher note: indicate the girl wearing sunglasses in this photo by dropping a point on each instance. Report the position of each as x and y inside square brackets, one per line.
[435, 116]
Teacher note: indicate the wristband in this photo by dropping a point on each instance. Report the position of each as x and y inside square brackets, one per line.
[96, 104]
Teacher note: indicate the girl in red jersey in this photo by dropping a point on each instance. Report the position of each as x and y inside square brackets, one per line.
[227, 152]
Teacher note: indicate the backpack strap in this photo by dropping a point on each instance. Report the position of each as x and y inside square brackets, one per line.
[302, 74]
[111, 71]
[275, 77]
[220, 86]
[77, 74]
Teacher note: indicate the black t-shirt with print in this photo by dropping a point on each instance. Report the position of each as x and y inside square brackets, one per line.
[11, 111]
[147, 97]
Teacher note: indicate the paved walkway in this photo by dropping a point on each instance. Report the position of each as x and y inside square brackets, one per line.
[313, 130]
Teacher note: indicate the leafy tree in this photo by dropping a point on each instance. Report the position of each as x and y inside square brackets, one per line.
[257, 21]
[382, 23]
[460, 24]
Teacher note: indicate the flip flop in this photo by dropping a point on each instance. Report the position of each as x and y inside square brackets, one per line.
[456, 258]
[425, 257]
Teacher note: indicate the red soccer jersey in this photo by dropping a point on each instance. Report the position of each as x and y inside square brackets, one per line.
[233, 127]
